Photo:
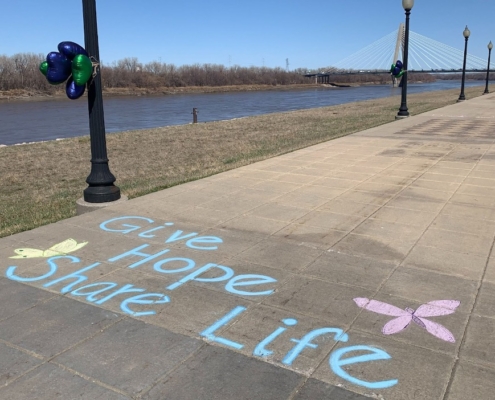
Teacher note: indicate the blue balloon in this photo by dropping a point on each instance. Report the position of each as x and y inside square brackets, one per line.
[71, 49]
[399, 64]
[59, 68]
[396, 71]
[74, 91]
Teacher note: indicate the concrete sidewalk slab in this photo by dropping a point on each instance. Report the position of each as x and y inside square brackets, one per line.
[359, 267]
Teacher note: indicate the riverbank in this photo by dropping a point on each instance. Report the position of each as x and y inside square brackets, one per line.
[41, 181]
[21, 95]
[30, 95]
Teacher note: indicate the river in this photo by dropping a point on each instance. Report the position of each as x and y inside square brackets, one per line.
[35, 121]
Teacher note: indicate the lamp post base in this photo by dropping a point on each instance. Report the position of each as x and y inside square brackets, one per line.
[101, 194]
[460, 100]
[403, 111]
[83, 207]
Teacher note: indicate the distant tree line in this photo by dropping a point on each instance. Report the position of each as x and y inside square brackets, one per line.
[129, 72]
[20, 71]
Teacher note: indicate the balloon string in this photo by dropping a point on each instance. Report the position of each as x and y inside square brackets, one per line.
[95, 64]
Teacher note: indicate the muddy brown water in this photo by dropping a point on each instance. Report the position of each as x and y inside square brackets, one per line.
[33, 121]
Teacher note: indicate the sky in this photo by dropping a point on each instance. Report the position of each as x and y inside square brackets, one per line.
[310, 34]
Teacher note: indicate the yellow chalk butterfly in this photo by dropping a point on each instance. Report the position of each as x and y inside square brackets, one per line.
[60, 249]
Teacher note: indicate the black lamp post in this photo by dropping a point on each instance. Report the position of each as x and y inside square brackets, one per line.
[466, 34]
[403, 112]
[101, 188]
[490, 47]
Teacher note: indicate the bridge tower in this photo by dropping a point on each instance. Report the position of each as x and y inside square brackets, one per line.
[399, 44]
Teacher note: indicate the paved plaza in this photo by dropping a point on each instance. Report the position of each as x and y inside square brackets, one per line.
[357, 268]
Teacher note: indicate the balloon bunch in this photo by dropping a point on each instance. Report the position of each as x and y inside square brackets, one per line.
[71, 64]
[396, 69]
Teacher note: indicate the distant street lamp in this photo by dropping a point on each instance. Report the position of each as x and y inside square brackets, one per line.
[466, 34]
[101, 188]
[403, 112]
[490, 47]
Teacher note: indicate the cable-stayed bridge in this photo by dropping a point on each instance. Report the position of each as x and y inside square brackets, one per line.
[425, 54]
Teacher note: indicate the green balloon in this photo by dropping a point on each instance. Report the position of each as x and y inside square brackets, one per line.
[44, 67]
[82, 69]
[392, 67]
[401, 73]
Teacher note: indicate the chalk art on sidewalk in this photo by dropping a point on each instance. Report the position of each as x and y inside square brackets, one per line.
[405, 317]
[60, 249]
[183, 271]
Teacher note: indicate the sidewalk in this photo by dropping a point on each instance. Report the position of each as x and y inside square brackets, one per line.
[292, 278]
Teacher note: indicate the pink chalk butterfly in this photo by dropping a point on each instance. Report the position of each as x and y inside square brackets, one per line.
[404, 317]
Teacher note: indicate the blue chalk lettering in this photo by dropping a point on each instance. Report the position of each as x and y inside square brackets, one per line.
[136, 252]
[255, 280]
[204, 239]
[260, 349]
[209, 332]
[138, 300]
[75, 275]
[131, 228]
[339, 336]
[336, 363]
[91, 295]
[124, 289]
[177, 236]
[229, 273]
[145, 234]
[158, 265]
[10, 273]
